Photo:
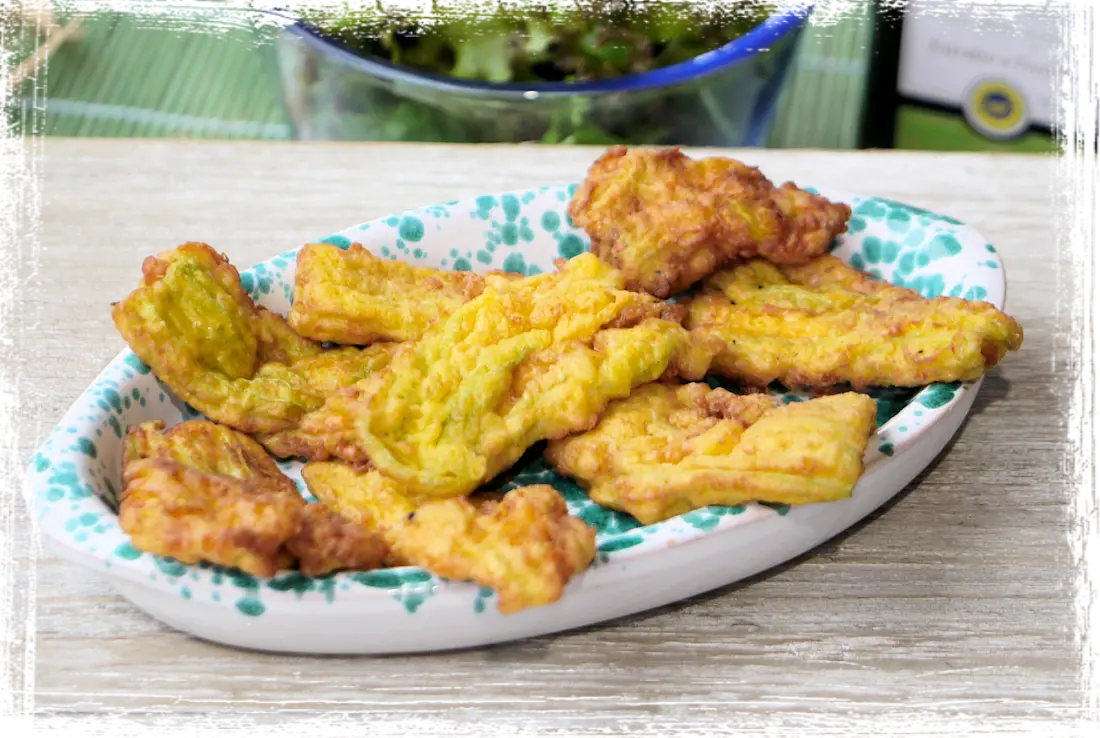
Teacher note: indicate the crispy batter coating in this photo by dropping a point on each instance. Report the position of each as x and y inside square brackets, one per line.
[327, 541]
[332, 371]
[667, 220]
[234, 361]
[522, 543]
[521, 363]
[353, 297]
[203, 492]
[526, 547]
[364, 496]
[361, 495]
[825, 323]
[665, 451]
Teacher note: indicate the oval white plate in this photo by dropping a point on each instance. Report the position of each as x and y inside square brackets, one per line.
[75, 478]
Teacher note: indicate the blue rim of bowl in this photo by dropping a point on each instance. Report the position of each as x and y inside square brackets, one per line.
[786, 20]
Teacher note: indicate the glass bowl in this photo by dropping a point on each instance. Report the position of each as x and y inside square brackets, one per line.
[726, 97]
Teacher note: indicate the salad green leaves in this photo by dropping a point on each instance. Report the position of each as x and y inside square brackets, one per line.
[564, 41]
[469, 39]
[550, 42]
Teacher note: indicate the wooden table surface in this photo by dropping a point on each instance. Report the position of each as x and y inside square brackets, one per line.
[954, 602]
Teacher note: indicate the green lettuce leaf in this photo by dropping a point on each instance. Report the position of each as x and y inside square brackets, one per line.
[662, 21]
[470, 40]
[310, 12]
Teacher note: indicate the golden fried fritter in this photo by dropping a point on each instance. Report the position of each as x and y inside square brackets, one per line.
[234, 361]
[825, 323]
[522, 543]
[665, 451]
[203, 492]
[327, 541]
[667, 220]
[353, 297]
[522, 362]
[333, 370]
[525, 547]
[361, 495]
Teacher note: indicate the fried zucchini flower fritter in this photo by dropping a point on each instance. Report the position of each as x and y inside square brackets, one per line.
[525, 361]
[234, 361]
[825, 323]
[361, 495]
[665, 451]
[202, 492]
[667, 220]
[350, 296]
[326, 541]
[525, 545]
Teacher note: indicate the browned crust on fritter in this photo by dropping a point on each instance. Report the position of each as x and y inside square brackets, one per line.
[262, 473]
[526, 546]
[188, 509]
[159, 511]
[721, 403]
[635, 314]
[878, 340]
[326, 542]
[696, 233]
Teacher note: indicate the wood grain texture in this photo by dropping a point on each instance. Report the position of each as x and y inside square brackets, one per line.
[956, 597]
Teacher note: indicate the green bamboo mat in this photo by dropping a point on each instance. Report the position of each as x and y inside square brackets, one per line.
[127, 77]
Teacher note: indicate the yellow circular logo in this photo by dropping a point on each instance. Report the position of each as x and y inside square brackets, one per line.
[996, 109]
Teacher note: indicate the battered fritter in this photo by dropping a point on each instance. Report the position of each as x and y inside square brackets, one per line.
[361, 494]
[234, 361]
[350, 296]
[202, 492]
[525, 547]
[327, 541]
[667, 220]
[665, 451]
[825, 323]
[475, 369]
[522, 362]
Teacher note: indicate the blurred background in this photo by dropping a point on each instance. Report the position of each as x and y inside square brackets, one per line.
[845, 74]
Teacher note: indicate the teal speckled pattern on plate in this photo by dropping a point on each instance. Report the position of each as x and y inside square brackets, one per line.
[75, 477]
